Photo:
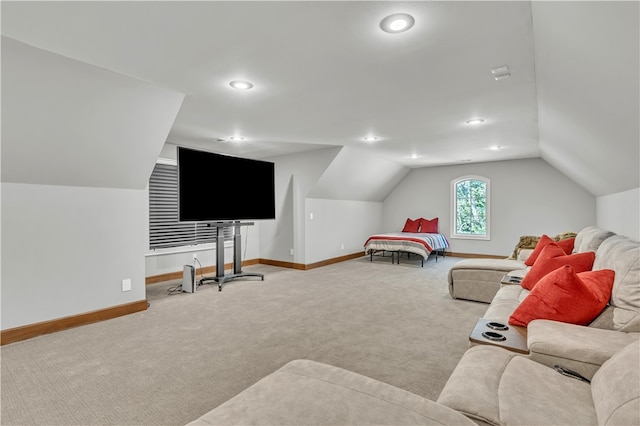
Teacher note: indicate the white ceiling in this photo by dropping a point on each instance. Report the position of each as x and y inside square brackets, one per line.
[325, 75]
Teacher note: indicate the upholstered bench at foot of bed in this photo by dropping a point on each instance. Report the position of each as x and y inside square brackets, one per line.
[479, 279]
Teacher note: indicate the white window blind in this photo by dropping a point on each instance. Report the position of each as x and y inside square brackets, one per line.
[164, 229]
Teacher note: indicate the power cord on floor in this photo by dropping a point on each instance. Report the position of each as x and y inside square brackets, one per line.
[195, 259]
[175, 290]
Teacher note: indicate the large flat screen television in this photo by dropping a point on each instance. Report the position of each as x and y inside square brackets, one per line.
[215, 187]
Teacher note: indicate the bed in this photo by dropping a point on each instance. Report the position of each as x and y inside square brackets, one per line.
[419, 237]
[397, 243]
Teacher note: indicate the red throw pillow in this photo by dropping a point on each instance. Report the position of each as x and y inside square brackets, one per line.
[429, 226]
[542, 243]
[567, 244]
[567, 296]
[553, 257]
[411, 225]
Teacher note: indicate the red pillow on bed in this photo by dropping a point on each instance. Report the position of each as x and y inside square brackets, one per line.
[411, 225]
[429, 226]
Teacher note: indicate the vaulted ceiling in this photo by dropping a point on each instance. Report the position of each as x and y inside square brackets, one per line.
[325, 75]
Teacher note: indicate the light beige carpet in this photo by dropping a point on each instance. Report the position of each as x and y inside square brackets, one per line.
[189, 353]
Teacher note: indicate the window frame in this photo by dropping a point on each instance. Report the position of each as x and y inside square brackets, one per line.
[454, 209]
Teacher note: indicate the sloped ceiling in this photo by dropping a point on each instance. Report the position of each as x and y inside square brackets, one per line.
[588, 82]
[65, 122]
[369, 178]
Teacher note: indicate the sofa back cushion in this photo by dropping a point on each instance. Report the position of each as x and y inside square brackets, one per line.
[615, 388]
[590, 238]
[622, 254]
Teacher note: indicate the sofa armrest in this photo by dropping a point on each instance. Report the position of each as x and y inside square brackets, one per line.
[524, 254]
[308, 392]
[576, 347]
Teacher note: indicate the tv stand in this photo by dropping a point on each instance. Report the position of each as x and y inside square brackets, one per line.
[220, 277]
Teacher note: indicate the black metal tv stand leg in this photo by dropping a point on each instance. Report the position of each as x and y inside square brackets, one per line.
[220, 277]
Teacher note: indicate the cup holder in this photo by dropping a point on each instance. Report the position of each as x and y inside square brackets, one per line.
[497, 326]
[493, 336]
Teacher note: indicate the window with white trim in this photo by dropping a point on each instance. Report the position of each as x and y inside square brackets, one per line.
[164, 228]
[470, 208]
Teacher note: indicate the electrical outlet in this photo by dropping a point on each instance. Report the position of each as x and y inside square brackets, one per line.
[342, 246]
[195, 256]
[291, 252]
[126, 284]
[310, 216]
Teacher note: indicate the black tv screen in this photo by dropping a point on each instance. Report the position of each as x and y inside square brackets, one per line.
[217, 188]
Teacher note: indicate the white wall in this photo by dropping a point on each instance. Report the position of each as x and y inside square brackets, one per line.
[66, 250]
[295, 176]
[78, 145]
[336, 228]
[528, 197]
[342, 215]
[620, 213]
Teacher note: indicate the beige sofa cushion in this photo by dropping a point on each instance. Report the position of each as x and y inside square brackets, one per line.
[616, 388]
[621, 254]
[479, 279]
[502, 388]
[590, 238]
[506, 300]
[305, 392]
[578, 348]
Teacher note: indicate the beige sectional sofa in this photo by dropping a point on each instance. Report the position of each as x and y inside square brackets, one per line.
[490, 385]
[526, 389]
[583, 349]
[479, 279]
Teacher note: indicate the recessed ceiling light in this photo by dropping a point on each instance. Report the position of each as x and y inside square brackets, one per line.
[475, 121]
[397, 23]
[495, 147]
[370, 138]
[236, 138]
[414, 156]
[241, 85]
